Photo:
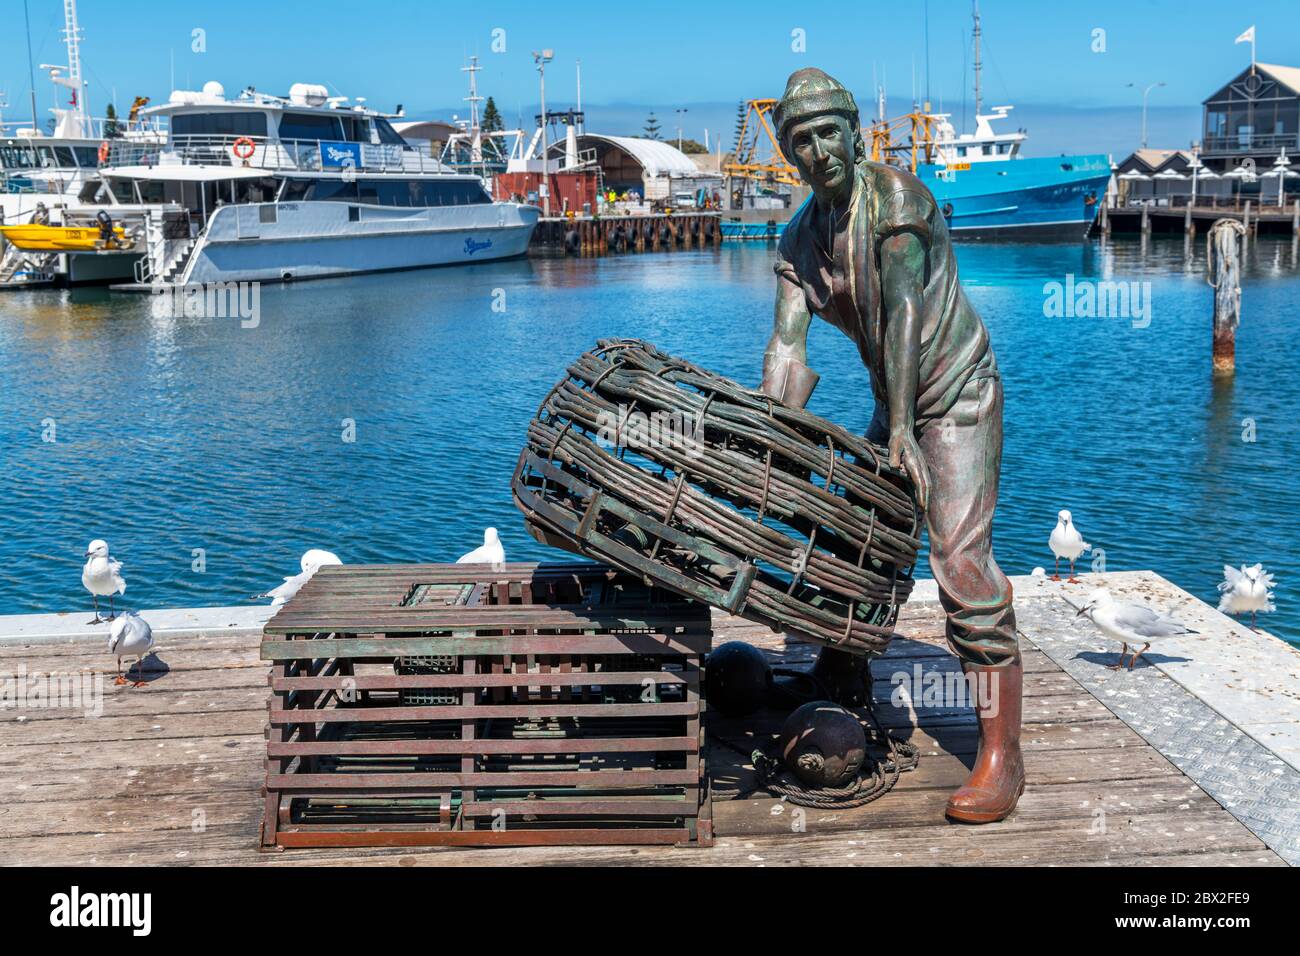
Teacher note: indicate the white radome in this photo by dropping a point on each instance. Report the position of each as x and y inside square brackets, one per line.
[1129, 623]
[491, 552]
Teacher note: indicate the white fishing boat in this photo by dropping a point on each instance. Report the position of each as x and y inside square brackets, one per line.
[261, 187]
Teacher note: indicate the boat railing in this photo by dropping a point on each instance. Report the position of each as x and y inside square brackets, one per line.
[261, 152]
[98, 128]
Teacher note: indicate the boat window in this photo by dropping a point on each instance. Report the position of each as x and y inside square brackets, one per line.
[244, 123]
[332, 189]
[152, 191]
[355, 129]
[87, 156]
[310, 126]
[122, 190]
[63, 156]
[295, 190]
[387, 134]
[17, 157]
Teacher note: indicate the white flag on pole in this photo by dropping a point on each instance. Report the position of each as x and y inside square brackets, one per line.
[1247, 37]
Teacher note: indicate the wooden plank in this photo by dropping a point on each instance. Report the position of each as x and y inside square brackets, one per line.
[476, 711]
[594, 745]
[595, 779]
[517, 679]
[333, 648]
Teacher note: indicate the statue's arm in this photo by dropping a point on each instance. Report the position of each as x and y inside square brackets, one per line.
[902, 279]
[786, 374]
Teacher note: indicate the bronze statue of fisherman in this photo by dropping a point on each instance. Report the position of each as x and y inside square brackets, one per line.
[870, 253]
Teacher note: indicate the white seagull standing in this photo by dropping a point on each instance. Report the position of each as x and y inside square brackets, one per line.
[102, 576]
[1066, 542]
[312, 561]
[1129, 624]
[1246, 590]
[130, 636]
[491, 552]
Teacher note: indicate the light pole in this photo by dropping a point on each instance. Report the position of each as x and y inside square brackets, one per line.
[541, 59]
[680, 110]
[1145, 93]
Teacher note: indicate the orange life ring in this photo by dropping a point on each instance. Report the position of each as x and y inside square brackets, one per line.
[103, 152]
[243, 147]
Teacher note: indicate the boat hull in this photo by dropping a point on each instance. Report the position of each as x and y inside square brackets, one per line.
[1047, 197]
[312, 240]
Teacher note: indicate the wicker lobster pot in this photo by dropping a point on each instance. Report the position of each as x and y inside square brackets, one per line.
[715, 491]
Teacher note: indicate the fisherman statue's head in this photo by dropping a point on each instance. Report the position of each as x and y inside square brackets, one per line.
[817, 127]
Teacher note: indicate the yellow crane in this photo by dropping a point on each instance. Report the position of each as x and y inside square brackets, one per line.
[907, 139]
[758, 155]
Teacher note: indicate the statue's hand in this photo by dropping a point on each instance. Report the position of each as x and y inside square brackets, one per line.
[905, 453]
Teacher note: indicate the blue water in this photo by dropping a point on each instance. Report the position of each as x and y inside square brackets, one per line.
[182, 434]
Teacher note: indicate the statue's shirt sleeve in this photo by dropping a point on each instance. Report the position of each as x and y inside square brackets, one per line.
[954, 343]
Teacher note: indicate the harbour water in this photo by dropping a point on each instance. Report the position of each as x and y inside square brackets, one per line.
[380, 417]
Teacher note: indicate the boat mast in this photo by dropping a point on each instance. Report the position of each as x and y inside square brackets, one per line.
[475, 135]
[979, 102]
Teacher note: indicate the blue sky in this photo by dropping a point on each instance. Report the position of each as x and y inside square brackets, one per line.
[671, 54]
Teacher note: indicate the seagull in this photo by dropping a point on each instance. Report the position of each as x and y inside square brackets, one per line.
[1129, 624]
[1246, 590]
[490, 553]
[312, 561]
[1066, 542]
[130, 636]
[102, 576]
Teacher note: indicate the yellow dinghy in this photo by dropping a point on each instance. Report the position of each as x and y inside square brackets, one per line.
[59, 238]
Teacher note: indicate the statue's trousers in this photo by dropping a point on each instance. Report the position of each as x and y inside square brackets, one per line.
[963, 452]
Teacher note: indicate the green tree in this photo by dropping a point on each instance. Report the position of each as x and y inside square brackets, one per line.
[492, 122]
[110, 122]
[691, 146]
[652, 127]
[742, 110]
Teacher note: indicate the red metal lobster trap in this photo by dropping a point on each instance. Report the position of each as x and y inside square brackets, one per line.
[471, 705]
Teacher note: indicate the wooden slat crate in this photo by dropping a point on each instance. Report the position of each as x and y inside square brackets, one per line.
[470, 705]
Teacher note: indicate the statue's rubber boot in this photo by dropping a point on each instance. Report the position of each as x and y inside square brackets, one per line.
[997, 780]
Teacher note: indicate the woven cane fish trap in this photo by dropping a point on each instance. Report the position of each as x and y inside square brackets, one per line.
[717, 492]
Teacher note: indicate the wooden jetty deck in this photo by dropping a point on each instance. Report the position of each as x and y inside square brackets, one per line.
[170, 773]
[1266, 218]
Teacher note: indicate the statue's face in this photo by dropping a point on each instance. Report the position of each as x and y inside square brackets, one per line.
[823, 152]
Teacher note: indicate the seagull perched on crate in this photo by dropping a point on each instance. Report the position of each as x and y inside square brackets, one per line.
[102, 576]
[1246, 590]
[130, 636]
[1129, 623]
[312, 561]
[1066, 542]
[491, 552]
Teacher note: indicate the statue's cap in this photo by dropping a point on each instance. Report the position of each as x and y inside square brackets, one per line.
[811, 92]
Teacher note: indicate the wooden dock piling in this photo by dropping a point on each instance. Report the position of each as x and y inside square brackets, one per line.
[1223, 273]
[592, 236]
